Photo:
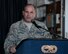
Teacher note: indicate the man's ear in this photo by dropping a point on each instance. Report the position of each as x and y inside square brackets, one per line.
[22, 12]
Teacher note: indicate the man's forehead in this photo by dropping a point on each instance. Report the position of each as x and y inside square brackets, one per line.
[29, 6]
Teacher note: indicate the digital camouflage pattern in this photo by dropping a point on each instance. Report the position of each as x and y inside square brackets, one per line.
[19, 31]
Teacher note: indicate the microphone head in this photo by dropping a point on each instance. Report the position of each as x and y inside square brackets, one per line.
[32, 21]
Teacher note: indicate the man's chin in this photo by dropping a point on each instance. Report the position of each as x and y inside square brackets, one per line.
[29, 21]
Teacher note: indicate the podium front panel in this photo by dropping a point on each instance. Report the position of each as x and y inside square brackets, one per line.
[33, 46]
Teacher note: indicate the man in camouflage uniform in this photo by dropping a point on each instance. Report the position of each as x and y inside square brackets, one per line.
[24, 29]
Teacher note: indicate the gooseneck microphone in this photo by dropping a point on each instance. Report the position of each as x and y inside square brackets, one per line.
[54, 34]
[38, 26]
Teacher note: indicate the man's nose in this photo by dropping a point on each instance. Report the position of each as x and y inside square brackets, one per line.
[28, 14]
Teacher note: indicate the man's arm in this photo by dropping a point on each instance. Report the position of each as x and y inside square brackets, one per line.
[47, 33]
[43, 27]
[10, 40]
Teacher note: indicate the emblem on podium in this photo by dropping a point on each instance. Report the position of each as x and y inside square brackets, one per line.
[49, 49]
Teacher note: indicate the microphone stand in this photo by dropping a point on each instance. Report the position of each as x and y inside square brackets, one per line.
[55, 36]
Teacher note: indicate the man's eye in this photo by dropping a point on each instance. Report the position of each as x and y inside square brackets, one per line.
[26, 11]
[31, 12]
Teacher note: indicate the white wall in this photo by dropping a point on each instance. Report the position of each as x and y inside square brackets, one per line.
[66, 18]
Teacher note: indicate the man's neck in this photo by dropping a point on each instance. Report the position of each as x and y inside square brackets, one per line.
[28, 24]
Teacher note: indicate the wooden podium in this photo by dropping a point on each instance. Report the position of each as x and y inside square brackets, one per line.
[33, 46]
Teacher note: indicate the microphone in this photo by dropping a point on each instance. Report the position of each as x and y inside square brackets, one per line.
[55, 36]
[38, 26]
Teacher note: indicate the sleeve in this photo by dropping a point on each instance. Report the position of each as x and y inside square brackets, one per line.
[47, 33]
[10, 40]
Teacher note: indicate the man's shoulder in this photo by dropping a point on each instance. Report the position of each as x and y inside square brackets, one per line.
[16, 24]
[40, 23]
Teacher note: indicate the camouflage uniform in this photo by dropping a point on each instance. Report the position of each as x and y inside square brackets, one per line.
[19, 31]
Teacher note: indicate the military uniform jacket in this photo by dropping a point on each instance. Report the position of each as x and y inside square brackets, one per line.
[19, 31]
